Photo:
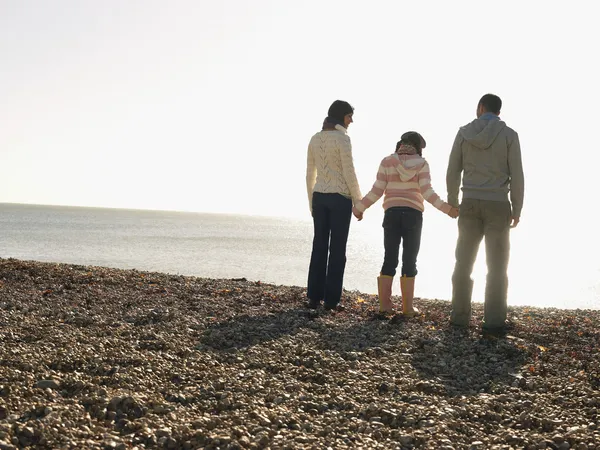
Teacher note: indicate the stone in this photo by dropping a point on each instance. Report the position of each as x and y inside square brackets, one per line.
[558, 439]
[405, 440]
[47, 384]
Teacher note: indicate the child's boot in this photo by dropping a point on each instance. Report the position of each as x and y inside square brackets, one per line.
[384, 288]
[407, 286]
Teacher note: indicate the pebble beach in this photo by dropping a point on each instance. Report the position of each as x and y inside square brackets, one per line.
[99, 358]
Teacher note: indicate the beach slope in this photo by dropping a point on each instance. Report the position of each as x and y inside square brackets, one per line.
[99, 358]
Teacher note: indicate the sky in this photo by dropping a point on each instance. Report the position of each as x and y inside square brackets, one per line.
[208, 106]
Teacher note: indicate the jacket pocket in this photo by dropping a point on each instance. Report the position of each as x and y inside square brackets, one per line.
[467, 208]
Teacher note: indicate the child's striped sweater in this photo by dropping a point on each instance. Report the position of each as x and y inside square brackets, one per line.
[405, 181]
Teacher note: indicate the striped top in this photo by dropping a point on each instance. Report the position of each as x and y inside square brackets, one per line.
[405, 180]
[330, 167]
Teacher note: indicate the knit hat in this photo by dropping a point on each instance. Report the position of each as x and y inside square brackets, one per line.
[413, 138]
[339, 109]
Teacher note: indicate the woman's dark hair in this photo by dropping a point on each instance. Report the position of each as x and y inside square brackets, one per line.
[339, 109]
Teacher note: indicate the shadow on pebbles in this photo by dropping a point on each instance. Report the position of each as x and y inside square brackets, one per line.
[98, 358]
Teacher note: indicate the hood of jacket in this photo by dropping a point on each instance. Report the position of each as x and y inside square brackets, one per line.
[481, 133]
[408, 166]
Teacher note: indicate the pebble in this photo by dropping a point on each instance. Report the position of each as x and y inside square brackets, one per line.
[47, 384]
[558, 439]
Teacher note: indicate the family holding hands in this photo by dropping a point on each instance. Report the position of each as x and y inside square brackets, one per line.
[485, 158]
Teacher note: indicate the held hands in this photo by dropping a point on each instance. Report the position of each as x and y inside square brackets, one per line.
[357, 213]
[453, 212]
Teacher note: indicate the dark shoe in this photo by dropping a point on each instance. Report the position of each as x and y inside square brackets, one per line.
[460, 330]
[493, 333]
[313, 304]
[336, 308]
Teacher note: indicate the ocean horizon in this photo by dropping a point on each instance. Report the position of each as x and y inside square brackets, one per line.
[271, 249]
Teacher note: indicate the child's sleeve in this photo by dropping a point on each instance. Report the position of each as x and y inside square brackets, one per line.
[428, 192]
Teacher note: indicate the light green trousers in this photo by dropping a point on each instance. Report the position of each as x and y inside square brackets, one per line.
[479, 219]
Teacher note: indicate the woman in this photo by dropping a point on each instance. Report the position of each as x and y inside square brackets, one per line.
[404, 179]
[332, 190]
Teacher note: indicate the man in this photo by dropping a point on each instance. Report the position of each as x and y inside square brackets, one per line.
[487, 154]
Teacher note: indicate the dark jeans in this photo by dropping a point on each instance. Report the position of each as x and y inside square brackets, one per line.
[401, 224]
[331, 217]
[481, 219]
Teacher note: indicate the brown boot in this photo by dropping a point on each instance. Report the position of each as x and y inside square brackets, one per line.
[407, 286]
[384, 288]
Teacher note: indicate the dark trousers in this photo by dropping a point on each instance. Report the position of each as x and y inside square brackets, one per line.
[481, 219]
[401, 225]
[331, 218]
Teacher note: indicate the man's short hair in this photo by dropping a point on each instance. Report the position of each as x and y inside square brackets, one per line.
[491, 103]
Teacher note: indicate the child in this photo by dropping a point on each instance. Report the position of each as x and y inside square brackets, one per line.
[404, 179]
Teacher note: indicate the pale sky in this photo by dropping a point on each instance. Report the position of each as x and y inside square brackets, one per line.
[209, 105]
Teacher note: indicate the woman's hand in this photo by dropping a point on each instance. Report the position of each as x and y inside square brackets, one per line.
[357, 213]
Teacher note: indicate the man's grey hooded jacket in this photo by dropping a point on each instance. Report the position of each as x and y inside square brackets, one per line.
[487, 154]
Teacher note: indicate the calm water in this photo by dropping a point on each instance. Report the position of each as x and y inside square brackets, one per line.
[277, 250]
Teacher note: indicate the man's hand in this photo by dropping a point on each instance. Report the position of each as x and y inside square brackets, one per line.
[514, 221]
[453, 212]
[357, 214]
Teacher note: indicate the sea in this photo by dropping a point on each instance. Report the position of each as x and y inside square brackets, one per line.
[276, 250]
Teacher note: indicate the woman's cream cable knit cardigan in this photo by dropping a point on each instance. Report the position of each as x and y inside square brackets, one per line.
[329, 167]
